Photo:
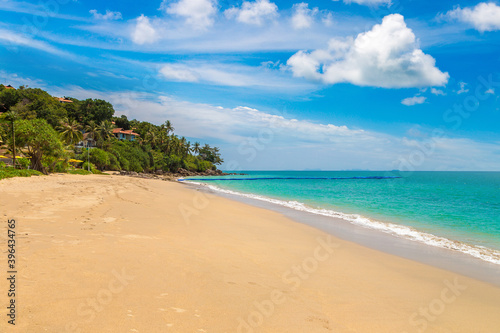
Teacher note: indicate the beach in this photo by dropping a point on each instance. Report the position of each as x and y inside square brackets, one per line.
[120, 254]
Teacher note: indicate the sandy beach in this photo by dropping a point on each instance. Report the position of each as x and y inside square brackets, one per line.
[120, 254]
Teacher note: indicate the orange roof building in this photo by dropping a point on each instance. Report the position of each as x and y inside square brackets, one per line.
[122, 134]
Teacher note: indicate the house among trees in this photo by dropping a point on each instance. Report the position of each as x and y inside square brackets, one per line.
[63, 100]
[122, 134]
[10, 87]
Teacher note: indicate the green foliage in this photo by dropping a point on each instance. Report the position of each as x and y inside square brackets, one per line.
[98, 157]
[172, 163]
[79, 172]
[40, 139]
[23, 162]
[9, 172]
[210, 154]
[93, 168]
[96, 110]
[34, 114]
[122, 122]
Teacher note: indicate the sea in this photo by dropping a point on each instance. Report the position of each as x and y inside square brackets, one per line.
[459, 211]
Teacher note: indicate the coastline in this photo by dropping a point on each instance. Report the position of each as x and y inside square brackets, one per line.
[156, 256]
[384, 240]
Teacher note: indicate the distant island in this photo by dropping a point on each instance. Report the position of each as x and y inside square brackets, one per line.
[40, 133]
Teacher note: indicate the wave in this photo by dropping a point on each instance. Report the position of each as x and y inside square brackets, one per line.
[480, 252]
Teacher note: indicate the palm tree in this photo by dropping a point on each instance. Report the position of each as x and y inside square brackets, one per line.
[196, 148]
[105, 130]
[152, 137]
[168, 127]
[70, 132]
[93, 129]
[11, 117]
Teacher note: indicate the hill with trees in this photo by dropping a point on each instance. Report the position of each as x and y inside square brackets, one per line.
[52, 134]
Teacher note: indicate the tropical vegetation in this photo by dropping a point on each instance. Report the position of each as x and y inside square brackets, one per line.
[51, 135]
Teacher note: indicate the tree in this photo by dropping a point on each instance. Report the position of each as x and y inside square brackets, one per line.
[167, 126]
[210, 154]
[196, 148]
[40, 103]
[93, 129]
[40, 139]
[122, 122]
[11, 117]
[96, 110]
[105, 130]
[70, 132]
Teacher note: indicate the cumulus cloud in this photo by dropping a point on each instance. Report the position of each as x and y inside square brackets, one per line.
[144, 32]
[483, 17]
[303, 17]
[413, 100]
[490, 91]
[387, 56]
[256, 12]
[109, 15]
[197, 13]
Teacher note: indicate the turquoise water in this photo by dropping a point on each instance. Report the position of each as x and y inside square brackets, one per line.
[459, 206]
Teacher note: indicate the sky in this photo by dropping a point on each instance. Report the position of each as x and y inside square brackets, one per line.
[279, 85]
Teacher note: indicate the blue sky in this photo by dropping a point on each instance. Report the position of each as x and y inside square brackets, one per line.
[331, 85]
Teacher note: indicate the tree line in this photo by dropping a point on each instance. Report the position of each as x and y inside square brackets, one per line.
[48, 132]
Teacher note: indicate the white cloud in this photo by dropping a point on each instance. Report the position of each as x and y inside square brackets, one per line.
[13, 39]
[437, 92]
[256, 12]
[413, 100]
[15, 80]
[483, 17]
[462, 88]
[303, 17]
[268, 75]
[387, 56]
[197, 13]
[144, 32]
[108, 16]
[178, 73]
[490, 91]
[369, 2]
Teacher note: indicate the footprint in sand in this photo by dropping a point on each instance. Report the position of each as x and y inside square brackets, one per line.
[178, 310]
[162, 295]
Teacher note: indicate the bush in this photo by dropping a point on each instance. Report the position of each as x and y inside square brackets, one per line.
[172, 163]
[79, 172]
[98, 157]
[23, 162]
[93, 168]
[11, 172]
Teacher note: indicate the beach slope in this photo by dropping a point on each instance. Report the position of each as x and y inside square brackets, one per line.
[121, 254]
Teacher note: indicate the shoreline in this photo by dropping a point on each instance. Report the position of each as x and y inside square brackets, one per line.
[126, 254]
[434, 255]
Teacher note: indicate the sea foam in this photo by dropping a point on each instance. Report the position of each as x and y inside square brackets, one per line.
[480, 252]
